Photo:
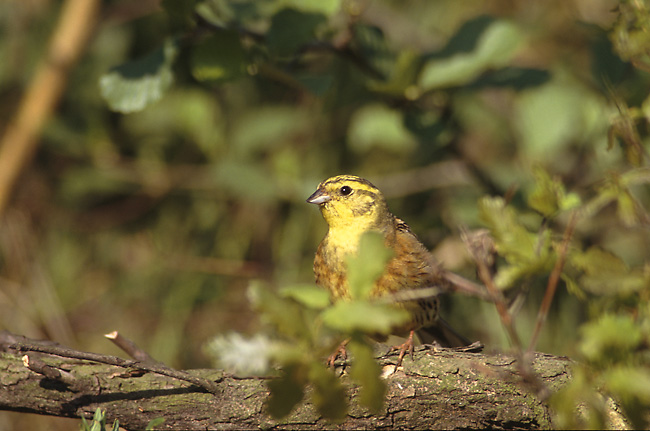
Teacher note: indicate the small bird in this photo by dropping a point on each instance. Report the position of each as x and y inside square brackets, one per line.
[352, 206]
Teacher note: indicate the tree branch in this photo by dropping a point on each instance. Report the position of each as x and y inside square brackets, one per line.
[438, 389]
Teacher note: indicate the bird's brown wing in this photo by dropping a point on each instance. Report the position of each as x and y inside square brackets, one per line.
[413, 267]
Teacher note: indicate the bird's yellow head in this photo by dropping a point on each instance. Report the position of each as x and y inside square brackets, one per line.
[350, 202]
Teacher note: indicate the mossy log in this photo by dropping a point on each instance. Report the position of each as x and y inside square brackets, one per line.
[435, 390]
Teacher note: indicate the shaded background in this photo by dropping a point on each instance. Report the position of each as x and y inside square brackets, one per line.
[153, 222]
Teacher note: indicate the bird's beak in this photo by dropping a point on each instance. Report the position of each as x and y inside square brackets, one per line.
[319, 197]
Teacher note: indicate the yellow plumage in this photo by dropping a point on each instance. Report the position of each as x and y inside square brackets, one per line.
[351, 206]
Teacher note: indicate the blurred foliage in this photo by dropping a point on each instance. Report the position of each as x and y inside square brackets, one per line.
[98, 423]
[507, 114]
[303, 327]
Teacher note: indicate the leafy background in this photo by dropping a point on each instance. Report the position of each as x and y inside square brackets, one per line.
[175, 168]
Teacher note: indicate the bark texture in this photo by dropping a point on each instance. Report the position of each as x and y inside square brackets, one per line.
[436, 390]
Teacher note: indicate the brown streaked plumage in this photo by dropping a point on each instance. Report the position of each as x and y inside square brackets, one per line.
[351, 206]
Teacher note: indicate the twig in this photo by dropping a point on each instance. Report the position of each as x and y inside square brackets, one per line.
[553, 280]
[208, 385]
[524, 360]
[129, 347]
[20, 140]
[495, 294]
[465, 286]
[38, 366]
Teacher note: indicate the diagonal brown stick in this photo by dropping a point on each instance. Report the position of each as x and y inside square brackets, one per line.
[553, 280]
[19, 142]
[24, 346]
[495, 294]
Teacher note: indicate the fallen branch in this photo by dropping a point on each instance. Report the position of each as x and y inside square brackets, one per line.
[438, 389]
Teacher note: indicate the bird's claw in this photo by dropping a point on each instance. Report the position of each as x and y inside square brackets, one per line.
[403, 348]
[341, 351]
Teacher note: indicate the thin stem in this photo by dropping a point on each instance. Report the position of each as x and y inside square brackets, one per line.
[553, 280]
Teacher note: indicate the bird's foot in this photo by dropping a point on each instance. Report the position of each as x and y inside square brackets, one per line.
[341, 351]
[403, 348]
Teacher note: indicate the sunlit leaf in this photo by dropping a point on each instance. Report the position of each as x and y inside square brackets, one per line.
[629, 210]
[631, 388]
[286, 391]
[367, 265]
[329, 395]
[264, 128]
[326, 7]
[555, 114]
[217, 12]
[134, 85]
[494, 48]
[573, 287]
[610, 338]
[366, 371]
[286, 315]
[308, 295]
[604, 273]
[549, 196]
[244, 179]
[370, 318]
[596, 261]
[377, 126]
[526, 253]
[154, 423]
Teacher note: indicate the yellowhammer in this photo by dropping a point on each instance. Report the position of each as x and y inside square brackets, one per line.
[351, 206]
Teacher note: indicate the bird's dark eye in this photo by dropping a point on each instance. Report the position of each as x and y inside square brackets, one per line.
[346, 190]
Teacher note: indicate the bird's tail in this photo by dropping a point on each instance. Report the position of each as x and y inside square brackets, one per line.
[442, 334]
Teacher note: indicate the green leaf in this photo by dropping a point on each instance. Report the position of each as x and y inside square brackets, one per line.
[604, 273]
[402, 79]
[219, 57]
[291, 30]
[556, 114]
[371, 43]
[629, 210]
[367, 265]
[286, 390]
[286, 315]
[153, 423]
[217, 12]
[308, 295]
[526, 253]
[596, 261]
[326, 7]
[266, 128]
[132, 86]
[244, 179]
[573, 287]
[609, 339]
[549, 196]
[367, 372]
[363, 316]
[496, 45]
[329, 396]
[377, 126]
[630, 386]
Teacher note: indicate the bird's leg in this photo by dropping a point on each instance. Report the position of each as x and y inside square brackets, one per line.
[403, 348]
[340, 350]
